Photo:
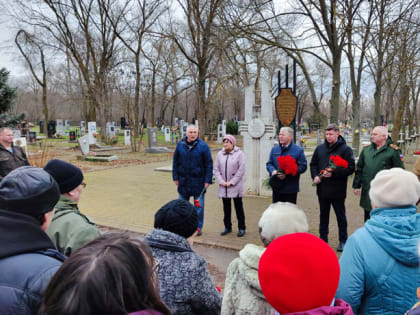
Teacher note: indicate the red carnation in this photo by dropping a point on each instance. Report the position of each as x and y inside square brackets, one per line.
[338, 161]
[196, 203]
[287, 165]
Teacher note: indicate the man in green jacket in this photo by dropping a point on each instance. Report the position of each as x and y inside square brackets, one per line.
[70, 229]
[379, 155]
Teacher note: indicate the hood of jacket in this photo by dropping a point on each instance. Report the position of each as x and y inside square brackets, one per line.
[64, 206]
[340, 141]
[235, 149]
[250, 257]
[169, 241]
[21, 234]
[340, 307]
[397, 231]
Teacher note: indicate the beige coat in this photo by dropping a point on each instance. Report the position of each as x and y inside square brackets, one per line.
[242, 294]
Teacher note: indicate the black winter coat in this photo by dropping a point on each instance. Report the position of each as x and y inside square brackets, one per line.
[9, 161]
[334, 187]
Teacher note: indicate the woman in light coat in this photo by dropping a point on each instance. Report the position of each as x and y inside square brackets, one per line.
[229, 171]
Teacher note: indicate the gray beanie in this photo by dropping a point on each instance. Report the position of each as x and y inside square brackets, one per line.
[177, 216]
[28, 190]
[394, 188]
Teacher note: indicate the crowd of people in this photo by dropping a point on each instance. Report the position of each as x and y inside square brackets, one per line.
[54, 260]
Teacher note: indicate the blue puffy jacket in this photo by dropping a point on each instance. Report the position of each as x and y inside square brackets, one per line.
[291, 183]
[380, 265]
[28, 260]
[192, 166]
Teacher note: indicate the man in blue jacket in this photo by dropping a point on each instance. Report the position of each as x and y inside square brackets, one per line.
[285, 187]
[28, 258]
[192, 170]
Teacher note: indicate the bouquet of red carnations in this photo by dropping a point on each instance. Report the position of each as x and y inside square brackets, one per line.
[335, 161]
[287, 165]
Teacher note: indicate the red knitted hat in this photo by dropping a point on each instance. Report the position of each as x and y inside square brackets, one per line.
[298, 272]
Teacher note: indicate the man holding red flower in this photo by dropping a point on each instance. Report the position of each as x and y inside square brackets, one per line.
[331, 164]
[287, 161]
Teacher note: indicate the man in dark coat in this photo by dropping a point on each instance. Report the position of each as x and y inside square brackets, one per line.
[285, 187]
[192, 170]
[11, 156]
[382, 154]
[28, 258]
[332, 184]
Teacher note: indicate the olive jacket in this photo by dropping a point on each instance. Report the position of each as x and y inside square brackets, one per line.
[370, 162]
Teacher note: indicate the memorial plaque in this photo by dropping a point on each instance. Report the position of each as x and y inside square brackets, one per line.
[286, 106]
[256, 128]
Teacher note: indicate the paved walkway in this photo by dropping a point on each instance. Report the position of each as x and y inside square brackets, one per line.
[128, 197]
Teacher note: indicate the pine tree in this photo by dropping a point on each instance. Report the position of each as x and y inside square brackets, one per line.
[7, 100]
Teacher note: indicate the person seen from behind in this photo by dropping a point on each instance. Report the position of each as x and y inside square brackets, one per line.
[242, 294]
[184, 281]
[28, 258]
[113, 274]
[299, 275]
[380, 264]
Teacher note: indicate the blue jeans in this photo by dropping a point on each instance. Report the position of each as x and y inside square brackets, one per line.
[200, 210]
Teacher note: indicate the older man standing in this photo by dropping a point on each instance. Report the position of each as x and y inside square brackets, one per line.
[285, 187]
[380, 155]
[332, 184]
[11, 157]
[192, 169]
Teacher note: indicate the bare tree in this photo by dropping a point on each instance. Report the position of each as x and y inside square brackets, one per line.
[30, 47]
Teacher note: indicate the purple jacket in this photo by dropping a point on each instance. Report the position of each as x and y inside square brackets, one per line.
[340, 308]
[230, 167]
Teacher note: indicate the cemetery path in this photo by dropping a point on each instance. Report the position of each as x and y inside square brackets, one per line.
[127, 197]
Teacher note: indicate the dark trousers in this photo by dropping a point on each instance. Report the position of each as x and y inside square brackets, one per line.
[227, 210]
[324, 218]
[284, 197]
[367, 215]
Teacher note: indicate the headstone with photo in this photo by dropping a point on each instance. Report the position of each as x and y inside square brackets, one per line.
[67, 124]
[127, 137]
[82, 127]
[176, 121]
[51, 128]
[219, 133]
[167, 134]
[60, 126]
[92, 133]
[32, 137]
[72, 136]
[123, 123]
[196, 124]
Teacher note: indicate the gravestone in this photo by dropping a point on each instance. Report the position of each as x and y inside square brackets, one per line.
[219, 133]
[32, 137]
[84, 144]
[60, 129]
[123, 123]
[127, 137]
[51, 128]
[92, 132]
[258, 136]
[16, 133]
[41, 126]
[67, 124]
[82, 127]
[196, 124]
[167, 134]
[153, 142]
[176, 121]
[72, 136]
[110, 130]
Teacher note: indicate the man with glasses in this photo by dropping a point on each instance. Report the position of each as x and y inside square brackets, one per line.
[70, 229]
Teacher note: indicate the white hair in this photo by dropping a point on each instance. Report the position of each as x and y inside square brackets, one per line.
[382, 130]
[281, 218]
[192, 126]
[288, 130]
